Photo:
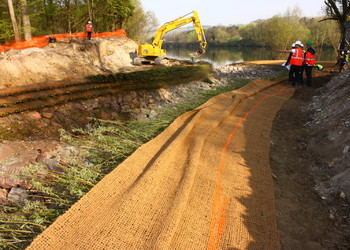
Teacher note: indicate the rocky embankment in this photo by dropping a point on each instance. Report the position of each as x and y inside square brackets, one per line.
[328, 141]
[246, 71]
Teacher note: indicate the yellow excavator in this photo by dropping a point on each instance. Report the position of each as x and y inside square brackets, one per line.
[153, 53]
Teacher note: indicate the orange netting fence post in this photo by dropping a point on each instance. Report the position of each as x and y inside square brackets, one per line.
[43, 41]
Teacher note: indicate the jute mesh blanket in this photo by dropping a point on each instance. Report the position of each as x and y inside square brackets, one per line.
[204, 183]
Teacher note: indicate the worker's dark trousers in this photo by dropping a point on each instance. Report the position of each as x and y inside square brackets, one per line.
[295, 74]
[89, 35]
[308, 72]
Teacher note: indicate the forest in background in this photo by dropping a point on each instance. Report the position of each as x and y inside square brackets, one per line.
[45, 17]
[276, 32]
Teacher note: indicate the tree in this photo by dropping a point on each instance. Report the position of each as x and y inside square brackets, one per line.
[141, 25]
[120, 10]
[281, 32]
[338, 10]
[14, 22]
[26, 21]
[322, 33]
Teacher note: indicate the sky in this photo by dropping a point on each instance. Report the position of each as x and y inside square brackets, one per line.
[229, 12]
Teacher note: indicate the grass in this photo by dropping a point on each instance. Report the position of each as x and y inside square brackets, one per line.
[56, 187]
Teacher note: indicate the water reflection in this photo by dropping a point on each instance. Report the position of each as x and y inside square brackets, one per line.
[222, 56]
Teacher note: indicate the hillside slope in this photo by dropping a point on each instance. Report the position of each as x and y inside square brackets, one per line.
[310, 160]
[66, 60]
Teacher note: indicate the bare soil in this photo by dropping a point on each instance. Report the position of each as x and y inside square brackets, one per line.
[307, 152]
[66, 60]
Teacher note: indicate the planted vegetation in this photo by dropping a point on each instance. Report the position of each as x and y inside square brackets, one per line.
[99, 150]
[46, 95]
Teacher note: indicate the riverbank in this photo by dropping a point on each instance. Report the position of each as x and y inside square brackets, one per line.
[300, 167]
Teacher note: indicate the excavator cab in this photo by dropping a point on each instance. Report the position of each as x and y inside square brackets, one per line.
[153, 52]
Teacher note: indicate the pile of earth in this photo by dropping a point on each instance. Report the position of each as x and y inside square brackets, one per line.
[66, 60]
[310, 160]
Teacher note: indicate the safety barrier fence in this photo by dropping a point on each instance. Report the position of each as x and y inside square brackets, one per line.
[43, 41]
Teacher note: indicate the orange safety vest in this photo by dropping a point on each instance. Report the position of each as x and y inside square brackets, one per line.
[297, 58]
[310, 58]
[89, 27]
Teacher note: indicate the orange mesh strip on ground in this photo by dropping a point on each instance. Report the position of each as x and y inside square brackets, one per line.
[43, 41]
[218, 221]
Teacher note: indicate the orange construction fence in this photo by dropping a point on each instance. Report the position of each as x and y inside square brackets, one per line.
[43, 41]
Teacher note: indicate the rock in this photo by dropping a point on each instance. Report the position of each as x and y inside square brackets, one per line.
[95, 105]
[52, 164]
[17, 195]
[5, 151]
[47, 115]
[125, 107]
[331, 164]
[342, 195]
[79, 107]
[34, 115]
[7, 182]
[115, 106]
[346, 149]
[132, 105]
[3, 195]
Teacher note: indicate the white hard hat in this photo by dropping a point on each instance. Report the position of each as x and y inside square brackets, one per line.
[89, 21]
[298, 43]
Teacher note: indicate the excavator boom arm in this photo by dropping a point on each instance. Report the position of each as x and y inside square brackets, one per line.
[155, 48]
[177, 23]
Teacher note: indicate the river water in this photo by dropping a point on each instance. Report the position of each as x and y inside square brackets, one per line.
[222, 56]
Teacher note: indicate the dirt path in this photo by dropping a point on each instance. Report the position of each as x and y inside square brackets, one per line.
[205, 182]
[304, 218]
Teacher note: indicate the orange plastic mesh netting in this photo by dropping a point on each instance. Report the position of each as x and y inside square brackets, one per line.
[43, 41]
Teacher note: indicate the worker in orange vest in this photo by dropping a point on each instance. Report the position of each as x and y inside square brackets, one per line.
[296, 62]
[309, 62]
[89, 29]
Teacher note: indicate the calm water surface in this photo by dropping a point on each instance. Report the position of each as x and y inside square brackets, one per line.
[222, 56]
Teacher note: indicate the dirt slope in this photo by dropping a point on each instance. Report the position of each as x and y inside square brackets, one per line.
[205, 182]
[310, 159]
[66, 60]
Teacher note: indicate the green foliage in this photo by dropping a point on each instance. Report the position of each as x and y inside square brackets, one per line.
[18, 130]
[64, 16]
[280, 33]
[159, 76]
[121, 8]
[6, 31]
[275, 32]
[141, 26]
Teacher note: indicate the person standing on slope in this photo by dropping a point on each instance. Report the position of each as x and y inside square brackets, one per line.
[89, 29]
[309, 62]
[296, 62]
[286, 64]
